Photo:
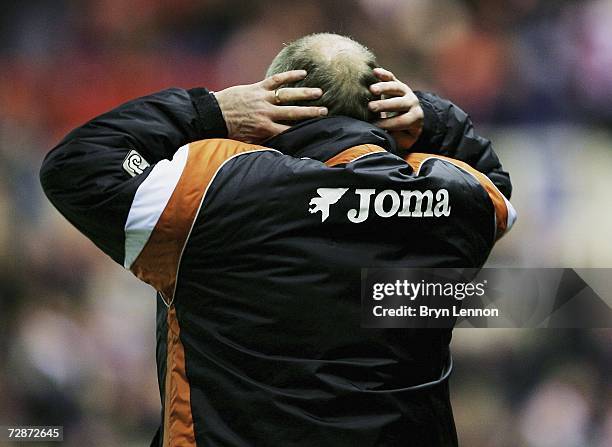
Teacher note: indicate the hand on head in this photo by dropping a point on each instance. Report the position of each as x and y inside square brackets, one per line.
[254, 113]
[400, 110]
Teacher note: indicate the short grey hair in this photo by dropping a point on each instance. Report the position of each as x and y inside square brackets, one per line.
[337, 64]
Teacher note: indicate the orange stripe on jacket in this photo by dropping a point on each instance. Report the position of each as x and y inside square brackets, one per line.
[158, 265]
[178, 419]
[501, 210]
[158, 261]
[352, 153]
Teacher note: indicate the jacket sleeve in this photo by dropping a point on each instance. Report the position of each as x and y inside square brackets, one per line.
[93, 174]
[449, 131]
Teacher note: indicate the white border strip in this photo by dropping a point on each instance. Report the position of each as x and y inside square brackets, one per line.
[369, 153]
[149, 202]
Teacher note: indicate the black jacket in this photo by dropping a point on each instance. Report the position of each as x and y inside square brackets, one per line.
[256, 254]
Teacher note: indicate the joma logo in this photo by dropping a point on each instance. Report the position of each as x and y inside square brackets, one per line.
[387, 203]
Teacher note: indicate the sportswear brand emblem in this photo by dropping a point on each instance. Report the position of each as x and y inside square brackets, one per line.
[134, 164]
[327, 197]
[386, 203]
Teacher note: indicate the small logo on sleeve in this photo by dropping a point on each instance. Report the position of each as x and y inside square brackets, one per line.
[134, 164]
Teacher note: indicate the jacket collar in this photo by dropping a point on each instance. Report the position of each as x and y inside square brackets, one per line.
[324, 138]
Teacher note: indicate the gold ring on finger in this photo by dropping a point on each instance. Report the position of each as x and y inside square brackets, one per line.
[277, 99]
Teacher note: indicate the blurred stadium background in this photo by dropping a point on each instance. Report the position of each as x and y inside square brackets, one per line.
[77, 332]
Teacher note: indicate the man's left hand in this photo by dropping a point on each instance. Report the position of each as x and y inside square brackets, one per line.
[406, 121]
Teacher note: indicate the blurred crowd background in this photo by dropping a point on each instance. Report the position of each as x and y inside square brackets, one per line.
[77, 332]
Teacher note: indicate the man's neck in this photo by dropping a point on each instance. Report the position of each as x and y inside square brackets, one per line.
[324, 138]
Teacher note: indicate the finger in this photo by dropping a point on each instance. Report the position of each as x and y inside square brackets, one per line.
[384, 75]
[395, 104]
[395, 88]
[275, 81]
[290, 94]
[401, 122]
[295, 113]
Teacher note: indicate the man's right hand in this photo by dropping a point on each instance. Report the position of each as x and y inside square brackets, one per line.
[253, 113]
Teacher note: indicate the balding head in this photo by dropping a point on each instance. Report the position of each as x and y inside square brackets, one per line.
[338, 65]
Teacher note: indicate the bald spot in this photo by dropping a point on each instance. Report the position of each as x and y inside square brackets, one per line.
[338, 65]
